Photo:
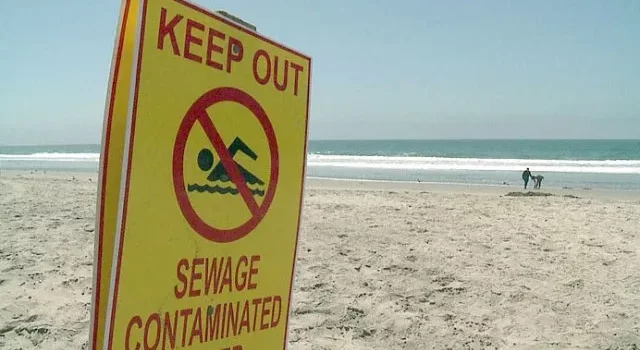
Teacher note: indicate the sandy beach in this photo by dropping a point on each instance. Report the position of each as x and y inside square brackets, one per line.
[380, 266]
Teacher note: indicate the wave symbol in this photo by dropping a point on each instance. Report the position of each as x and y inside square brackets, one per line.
[221, 190]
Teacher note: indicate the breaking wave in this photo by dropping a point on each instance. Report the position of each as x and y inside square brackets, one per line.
[478, 164]
[395, 162]
[54, 157]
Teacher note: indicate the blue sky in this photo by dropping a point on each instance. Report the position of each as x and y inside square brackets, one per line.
[411, 69]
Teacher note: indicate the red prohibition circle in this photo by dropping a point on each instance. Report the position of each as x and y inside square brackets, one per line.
[197, 112]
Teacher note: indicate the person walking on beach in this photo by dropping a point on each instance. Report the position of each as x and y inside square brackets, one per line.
[525, 177]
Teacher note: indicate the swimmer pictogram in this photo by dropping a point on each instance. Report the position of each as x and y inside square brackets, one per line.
[219, 174]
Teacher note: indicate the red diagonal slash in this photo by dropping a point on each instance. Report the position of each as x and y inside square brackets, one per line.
[228, 163]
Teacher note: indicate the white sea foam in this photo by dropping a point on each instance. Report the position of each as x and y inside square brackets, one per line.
[476, 164]
[54, 157]
[404, 163]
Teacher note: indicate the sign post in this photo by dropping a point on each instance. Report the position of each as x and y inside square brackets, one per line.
[213, 165]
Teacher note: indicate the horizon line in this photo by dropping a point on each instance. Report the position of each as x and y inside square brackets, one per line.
[373, 139]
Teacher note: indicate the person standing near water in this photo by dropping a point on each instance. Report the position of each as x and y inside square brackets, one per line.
[525, 177]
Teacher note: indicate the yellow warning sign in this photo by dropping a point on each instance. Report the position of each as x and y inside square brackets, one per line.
[212, 185]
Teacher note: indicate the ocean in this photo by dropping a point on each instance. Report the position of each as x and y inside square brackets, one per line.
[597, 164]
